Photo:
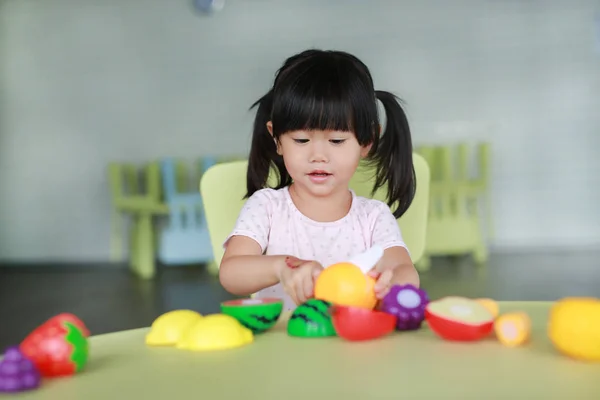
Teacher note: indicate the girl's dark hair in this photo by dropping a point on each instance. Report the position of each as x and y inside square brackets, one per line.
[333, 90]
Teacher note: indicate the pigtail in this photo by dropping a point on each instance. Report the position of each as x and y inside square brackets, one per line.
[393, 156]
[263, 150]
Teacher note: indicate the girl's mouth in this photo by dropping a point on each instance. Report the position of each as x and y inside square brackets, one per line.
[319, 176]
[319, 173]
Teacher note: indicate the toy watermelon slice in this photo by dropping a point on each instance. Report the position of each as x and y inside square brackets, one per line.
[258, 315]
[311, 319]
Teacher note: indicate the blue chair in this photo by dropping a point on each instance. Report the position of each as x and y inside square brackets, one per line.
[185, 240]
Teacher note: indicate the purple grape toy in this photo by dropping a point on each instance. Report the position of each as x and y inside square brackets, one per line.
[408, 304]
[17, 373]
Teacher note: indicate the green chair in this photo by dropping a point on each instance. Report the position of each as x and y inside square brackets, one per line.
[223, 187]
[144, 206]
[128, 200]
[458, 196]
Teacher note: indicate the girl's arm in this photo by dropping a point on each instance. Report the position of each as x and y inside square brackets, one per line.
[398, 260]
[244, 270]
[395, 267]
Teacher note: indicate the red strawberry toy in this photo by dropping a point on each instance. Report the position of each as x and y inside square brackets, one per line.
[58, 347]
[67, 317]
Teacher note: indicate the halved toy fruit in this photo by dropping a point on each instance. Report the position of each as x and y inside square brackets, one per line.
[170, 327]
[513, 329]
[215, 332]
[258, 315]
[311, 319]
[357, 323]
[407, 303]
[459, 319]
[491, 305]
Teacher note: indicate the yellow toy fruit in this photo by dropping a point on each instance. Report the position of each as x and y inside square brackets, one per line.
[344, 284]
[513, 329]
[490, 304]
[167, 329]
[574, 327]
[216, 332]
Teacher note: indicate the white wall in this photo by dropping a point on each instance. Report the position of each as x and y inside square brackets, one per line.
[86, 82]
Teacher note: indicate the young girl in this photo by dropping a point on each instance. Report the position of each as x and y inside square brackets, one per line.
[314, 126]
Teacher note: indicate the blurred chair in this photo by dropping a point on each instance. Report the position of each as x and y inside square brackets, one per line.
[185, 240]
[142, 208]
[223, 187]
[459, 203]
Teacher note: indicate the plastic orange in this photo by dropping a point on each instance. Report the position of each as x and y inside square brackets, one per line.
[344, 284]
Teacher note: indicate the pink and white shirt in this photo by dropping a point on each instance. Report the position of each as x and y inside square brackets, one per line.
[270, 217]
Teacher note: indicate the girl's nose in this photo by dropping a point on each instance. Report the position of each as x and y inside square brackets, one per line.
[318, 157]
[318, 153]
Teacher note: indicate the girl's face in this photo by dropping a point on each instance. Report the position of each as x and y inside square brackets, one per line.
[321, 162]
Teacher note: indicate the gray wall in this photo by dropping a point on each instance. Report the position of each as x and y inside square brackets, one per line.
[86, 82]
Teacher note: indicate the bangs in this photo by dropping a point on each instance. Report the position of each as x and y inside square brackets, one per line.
[325, 93]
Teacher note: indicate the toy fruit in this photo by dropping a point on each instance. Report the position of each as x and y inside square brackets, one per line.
[167, 329]
[356, 323]
[491, 305]
[311, 319]
[56, 348]
[574, 327]
[345, 284]
[459, 319]
[17, 373]
[215, 332]
[68, 317]
[407, 303]
[258, 315]
[513, 329]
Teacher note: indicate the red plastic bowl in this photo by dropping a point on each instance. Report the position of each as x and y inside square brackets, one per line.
[355, 323]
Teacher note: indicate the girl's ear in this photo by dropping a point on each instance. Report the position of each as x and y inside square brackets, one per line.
[270, 129]
[364, 150]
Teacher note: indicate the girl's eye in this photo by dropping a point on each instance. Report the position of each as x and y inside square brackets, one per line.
[337, 141]
[301, 141]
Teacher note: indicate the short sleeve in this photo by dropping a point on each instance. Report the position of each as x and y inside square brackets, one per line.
[254, 220]
[385, 230]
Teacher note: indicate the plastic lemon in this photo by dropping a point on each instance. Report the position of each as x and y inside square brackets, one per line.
[574, 327]
[216, 332]
[168, 329]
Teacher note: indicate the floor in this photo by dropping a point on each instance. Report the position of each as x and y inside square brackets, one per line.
[108, 298]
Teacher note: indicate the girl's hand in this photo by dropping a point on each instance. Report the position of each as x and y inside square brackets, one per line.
[298, 278]
[384, 280]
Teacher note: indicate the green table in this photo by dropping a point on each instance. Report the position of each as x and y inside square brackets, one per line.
[414, 365]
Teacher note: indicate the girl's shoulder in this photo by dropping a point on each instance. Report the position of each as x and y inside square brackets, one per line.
[366, 203]
[370, 207]
[267, 197]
